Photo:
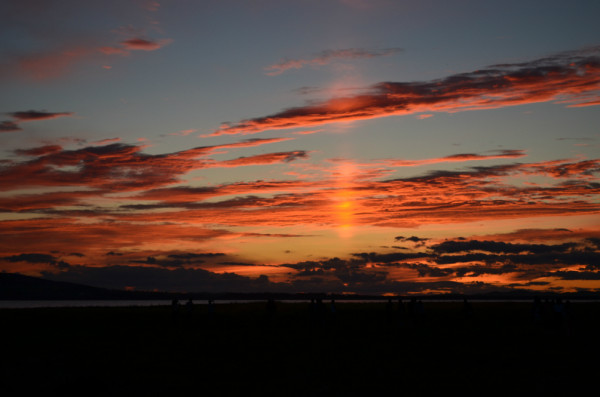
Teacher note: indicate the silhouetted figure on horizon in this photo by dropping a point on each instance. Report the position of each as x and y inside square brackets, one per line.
[189, 306]
[211, 309]
[420, 310]
[401, 312]
[537, 311]
[568, 316]
[558, 312]
[320, 311]
[271, 309]
[412, 309]
[332, 308]
[547, 313]
[174, 310]
[312, 310]
[467, 309]
[389, 312]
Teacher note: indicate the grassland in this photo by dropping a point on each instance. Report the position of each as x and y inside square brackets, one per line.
[363, 349]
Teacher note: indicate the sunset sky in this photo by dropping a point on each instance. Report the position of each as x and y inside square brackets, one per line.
[348, 146]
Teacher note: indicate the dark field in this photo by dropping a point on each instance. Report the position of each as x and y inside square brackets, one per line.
[364, 349]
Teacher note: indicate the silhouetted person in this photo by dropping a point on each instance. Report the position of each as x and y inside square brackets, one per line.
[420, 310]
[271, 309]
[389, 312]
[467, 309]
[401, 312]
[320, 311]
[568, 316]
[211, 308]
[189, 306]
[332, 308]
[537, 311]
[547, 313]
[558, 310]
[412, 309]
[312, 310]
[174, 310]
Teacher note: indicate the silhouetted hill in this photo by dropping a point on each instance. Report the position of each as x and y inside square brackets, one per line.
[15, 286]
[19, 287]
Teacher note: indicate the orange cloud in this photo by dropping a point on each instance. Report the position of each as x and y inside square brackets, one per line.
[501, 154]
[569, 75]
[49, 65]
[123, 167]
[137, 43]
[439, 197]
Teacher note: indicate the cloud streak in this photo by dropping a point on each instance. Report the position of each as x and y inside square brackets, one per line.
[122, 167]
[572, 77]
[35, 115]
[135, 44]
[327, 56]
[499, 154]
[29, 115]
[9, 126]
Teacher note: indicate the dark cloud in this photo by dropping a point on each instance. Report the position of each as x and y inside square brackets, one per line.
[554, 259]
[448, 247]
[268, 158]
[31, 258]
[367, 273]
[425, 270]
[37, 258]
[9, 126]
[575, 139]
[594, 240]
[44, 201]
[428, 271]
[419, 242]
[34, 115]
[39, 151]
[178, 259]
[575, 275]
[413, 239]
[165, 279]
[390, 258]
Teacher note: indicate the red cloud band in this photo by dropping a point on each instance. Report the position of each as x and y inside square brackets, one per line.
[572, 76]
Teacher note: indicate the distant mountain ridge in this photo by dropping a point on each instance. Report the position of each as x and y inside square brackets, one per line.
[15, 286]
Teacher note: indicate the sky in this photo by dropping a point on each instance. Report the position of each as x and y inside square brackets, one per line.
[338, 146]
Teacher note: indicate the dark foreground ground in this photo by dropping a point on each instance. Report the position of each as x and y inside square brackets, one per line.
[364, 349]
